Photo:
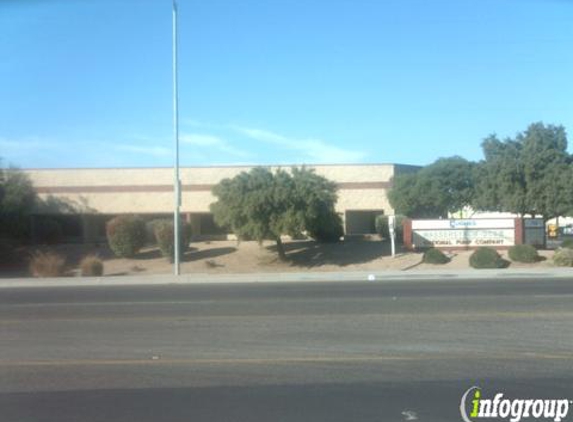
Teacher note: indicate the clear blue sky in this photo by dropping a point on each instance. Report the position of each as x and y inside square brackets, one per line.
[88, 83]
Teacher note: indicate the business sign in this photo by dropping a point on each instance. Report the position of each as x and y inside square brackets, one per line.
[460, 233]
[534, 232]
[534, 223]
[464, 223]
[552, 231]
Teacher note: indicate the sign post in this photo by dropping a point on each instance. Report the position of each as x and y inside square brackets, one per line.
[392, 230]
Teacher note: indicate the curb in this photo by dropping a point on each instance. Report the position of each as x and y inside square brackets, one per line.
[247, 278]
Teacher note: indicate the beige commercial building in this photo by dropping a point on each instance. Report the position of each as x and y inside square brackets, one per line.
[84, 199]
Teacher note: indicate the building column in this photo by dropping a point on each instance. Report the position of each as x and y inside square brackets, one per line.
[518, 228]
[407, 234]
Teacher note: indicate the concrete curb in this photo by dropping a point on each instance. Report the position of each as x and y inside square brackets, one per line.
[203, 278]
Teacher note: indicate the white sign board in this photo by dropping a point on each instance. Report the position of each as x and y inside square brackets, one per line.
[463, 233]
[466, 223]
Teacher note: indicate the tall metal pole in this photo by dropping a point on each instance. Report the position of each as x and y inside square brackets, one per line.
[176, 183]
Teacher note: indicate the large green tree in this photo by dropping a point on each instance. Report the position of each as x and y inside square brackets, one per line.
[262, 204]
[315, 198]
[17, 201]
[529, 174]
[441, 187]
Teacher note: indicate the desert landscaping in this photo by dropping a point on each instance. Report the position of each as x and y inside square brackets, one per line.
[225, 257]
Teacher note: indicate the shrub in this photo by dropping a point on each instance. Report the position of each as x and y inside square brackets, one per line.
[150, 231]
[382, 228]
[327, 229]
[435, 256]
[125, 235]
[563, 257]
[523, 253]
[91, 266]
[163, 230]
[567, 243]
[485, 257]
[49, 230]
[7, 251]
[47, 264]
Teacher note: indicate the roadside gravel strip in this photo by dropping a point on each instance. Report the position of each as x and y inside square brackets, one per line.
[377, 276]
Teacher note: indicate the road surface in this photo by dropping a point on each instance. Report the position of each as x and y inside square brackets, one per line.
[362, 351]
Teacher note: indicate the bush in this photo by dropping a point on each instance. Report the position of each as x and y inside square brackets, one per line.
[49, 230]
[327, 229]
[485, 257]
[47, 264]
[523, 253]
[567, 243]
[91, 266]
[563, 257]
[7, 251]
[163, 230]
[382, 228]
[125, 235]
[435, 256]
[150, 231]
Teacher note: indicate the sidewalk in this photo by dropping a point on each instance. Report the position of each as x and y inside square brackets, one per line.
[291, 277]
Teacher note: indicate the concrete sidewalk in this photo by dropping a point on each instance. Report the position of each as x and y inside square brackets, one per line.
[290, 277]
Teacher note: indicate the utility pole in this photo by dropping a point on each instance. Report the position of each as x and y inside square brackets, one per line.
[176, 181]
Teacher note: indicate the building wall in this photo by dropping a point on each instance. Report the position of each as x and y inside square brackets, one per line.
[150, 190]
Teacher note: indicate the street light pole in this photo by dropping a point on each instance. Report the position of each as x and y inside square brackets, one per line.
[176, 182]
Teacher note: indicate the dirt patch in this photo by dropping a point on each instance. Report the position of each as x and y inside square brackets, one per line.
[224, 257]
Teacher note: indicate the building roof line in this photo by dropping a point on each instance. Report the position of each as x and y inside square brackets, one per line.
[219, 166]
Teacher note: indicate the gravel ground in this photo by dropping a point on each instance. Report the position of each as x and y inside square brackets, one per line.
[223, 257]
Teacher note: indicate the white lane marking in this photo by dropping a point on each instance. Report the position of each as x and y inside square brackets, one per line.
[409, 415]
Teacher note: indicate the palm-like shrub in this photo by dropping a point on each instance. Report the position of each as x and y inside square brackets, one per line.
[91, 266]
[47, 264]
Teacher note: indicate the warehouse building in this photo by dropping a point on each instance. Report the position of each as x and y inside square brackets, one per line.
[82, 200]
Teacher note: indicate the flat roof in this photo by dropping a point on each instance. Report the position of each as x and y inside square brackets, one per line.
[222, 166]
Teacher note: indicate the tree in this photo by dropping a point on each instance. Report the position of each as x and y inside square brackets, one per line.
[316, 197]
[500, 179]
[17, 201]
[527, 175]
[262, 204]
[444, 186]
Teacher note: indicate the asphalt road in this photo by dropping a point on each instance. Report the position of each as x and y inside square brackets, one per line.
[363, 351]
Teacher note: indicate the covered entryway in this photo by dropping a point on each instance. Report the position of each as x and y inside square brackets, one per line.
[361, 222]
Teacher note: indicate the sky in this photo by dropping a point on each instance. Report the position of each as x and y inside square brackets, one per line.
[88, 83]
